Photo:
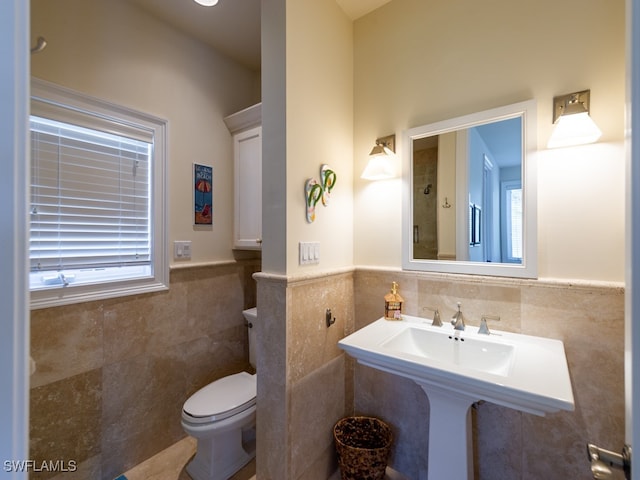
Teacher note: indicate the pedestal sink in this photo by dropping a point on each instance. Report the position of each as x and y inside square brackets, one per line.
[458, 368]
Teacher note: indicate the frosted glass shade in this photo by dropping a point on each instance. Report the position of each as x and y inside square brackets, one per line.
[207, 3]
[575, 129]
[380, 167]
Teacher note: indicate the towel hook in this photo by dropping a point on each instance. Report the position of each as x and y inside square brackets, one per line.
[41, 43]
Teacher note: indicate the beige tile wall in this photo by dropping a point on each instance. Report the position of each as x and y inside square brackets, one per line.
[272, 402]
[112, 375]
[589, 319]
[304, 379]
[302, 387]
[104, 366]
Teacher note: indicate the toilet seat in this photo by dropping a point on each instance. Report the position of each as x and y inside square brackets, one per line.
[221, 399]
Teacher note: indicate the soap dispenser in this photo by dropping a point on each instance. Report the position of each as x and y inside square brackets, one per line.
[393, 304]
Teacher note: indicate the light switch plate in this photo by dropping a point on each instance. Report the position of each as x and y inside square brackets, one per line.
[182, 249]
[309, 253]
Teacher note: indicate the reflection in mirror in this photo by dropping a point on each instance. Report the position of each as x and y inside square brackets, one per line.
[492, 154]
[470, 194]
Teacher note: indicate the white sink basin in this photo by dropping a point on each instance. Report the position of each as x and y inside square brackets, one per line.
[518, 371]
[459, 350]
[459, 368]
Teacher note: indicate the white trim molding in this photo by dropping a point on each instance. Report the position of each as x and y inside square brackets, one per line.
[14, 290]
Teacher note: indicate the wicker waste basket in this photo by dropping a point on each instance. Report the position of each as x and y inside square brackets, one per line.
[363, 445]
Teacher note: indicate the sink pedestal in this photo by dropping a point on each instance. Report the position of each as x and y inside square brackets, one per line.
[450, 442]
[456, 369]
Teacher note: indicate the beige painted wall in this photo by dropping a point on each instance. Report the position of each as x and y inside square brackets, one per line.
[114, 51]
[274, 136]
[581, 189]
[178, 340]
[307, 69]
[319, 129]
[418, 62]
[446, 193]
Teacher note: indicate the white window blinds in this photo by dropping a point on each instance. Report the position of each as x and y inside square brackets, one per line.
[98, 222]
[90, 198]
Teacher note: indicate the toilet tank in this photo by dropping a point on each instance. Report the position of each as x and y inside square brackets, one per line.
[251, 316]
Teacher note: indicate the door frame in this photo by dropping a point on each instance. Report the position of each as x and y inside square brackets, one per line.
[14, 323]
[14, 290]
[632, 290]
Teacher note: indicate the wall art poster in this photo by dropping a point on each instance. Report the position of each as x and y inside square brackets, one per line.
[203, 194]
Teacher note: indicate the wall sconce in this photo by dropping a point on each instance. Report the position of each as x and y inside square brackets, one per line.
[574, 126]
[380, 166]
[207, 3]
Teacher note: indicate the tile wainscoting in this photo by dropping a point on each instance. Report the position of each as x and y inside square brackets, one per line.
[306, 383]
[112, 375]
[303, 379]
[588, 318]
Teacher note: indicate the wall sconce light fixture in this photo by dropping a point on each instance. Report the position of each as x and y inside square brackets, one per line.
[207, 3]
[573, 125]
[380, 166]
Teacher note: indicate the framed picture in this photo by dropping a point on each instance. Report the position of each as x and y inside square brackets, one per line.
[202, 194]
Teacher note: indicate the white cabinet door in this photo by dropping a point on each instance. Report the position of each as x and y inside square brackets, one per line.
[247, 151]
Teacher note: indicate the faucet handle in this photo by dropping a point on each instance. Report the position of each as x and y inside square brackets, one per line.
[437, 322]
[484, 328]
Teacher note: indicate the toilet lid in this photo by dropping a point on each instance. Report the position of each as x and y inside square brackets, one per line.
[232, 393]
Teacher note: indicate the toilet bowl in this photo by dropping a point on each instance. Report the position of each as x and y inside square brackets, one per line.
[222, 417]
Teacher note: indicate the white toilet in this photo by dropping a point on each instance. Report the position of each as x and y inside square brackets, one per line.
[222, 417]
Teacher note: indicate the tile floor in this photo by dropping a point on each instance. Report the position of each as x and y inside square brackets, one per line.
[170, 464]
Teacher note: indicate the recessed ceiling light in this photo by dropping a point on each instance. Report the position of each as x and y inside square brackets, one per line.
[207, 3]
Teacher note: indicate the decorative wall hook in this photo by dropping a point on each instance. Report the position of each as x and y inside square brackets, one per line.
[41, 43]
[446, 203]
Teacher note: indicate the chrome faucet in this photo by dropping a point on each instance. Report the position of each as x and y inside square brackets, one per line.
[458, 320]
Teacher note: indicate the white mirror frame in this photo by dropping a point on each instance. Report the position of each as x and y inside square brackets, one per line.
[529, 267]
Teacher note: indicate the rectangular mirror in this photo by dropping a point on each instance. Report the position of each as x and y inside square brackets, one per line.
[469, 194]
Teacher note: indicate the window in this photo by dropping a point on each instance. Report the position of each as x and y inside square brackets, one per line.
[512, 197]
[97, 213]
